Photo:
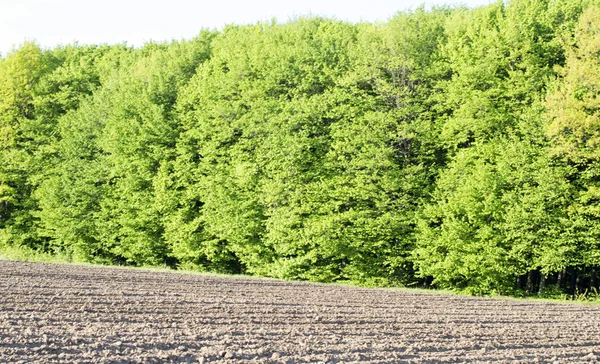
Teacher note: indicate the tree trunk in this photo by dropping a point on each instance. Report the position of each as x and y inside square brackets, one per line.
[520, 282]
[530, 282]
[560, 279]
[573, 282]
[542, 283]
[592, 279]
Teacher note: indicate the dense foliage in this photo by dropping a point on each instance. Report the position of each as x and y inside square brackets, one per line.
[455, 148]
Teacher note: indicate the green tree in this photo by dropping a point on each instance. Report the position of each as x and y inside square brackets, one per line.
[19, 74]
[573, 109]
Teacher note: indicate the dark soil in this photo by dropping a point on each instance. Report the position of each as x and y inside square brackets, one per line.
[78, 314]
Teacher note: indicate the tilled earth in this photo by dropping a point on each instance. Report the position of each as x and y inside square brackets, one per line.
[68, 314]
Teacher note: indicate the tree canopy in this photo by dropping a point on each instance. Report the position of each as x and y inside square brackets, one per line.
[449, 147]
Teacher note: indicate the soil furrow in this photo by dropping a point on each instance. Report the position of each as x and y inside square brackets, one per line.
[68, 313]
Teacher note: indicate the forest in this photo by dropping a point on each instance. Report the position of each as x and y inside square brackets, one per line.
[453, 148]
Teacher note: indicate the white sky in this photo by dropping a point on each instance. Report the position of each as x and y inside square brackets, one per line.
[53, 22]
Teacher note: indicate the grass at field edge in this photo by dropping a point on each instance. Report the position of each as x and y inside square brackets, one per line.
[30, 255]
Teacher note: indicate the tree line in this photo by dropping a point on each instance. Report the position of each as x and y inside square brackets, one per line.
[452, 147]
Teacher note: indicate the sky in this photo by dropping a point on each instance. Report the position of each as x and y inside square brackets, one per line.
[54, 22]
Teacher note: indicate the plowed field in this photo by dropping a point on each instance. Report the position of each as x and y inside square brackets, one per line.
[69, 314]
